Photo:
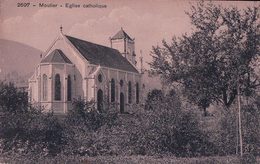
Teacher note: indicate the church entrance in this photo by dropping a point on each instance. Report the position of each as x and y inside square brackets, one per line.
[122, 103]
[100, 100]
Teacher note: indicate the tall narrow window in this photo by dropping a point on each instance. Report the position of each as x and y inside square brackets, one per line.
[69, 88]
[121, 83]
[100, 100]
[137, 93]
[113, 90]
[100, 79]
[129, 92]
[57, 87]
[44, 87]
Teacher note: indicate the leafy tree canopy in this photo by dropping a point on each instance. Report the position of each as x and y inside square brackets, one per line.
[220, 54]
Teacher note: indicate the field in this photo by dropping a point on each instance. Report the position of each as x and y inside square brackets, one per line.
[163, 160]
[132, 160]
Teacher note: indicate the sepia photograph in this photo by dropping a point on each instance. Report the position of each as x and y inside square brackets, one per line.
[140, 81]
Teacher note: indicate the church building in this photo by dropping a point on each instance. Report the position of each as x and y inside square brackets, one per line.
[73, 68]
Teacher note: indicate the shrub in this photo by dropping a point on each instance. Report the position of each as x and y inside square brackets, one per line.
[228, 138]
[168, 129]
[11, 99]
[84, 126]
[251, 129]
[84, 113]
[25, 129]
[248, 158]
[153, 97]
[169, 132]
[32, 131]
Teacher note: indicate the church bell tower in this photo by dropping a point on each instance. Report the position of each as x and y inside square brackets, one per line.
[125, 45]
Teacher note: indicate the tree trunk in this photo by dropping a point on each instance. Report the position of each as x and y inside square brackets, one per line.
[204, 111]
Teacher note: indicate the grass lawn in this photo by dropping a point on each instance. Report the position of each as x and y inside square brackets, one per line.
[128, 160]
[161, 160]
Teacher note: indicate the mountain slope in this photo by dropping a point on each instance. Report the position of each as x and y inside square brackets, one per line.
[17, 58]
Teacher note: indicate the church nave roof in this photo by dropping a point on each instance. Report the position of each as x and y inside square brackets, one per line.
[102, 55]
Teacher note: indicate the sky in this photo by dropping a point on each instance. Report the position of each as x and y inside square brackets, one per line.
[147, 21]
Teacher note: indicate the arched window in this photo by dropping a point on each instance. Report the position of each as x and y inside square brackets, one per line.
[100, 79]
[137, 93]
[129, 92]
[57, 87]
[100, 100]
[122, 102]
[44, 87]
[121, 83]
[69, 88]
[113, 90]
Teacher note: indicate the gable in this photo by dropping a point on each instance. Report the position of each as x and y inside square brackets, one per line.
[101, 55]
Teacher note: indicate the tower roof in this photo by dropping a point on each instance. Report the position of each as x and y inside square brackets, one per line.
[56, 56]
[121, 35]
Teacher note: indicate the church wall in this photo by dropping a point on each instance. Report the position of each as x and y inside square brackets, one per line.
[130, 78]
[107, 74]
[77, 79]
[119, 45]
[33, 90]
[104, 84]
[113, 75]
[70, 69]
[122, 89]
[64, 70]
[91, 89]
[130, 51]
[37, 84]
[130, 47]
[45, 69]
[57, 105]
[79, 68]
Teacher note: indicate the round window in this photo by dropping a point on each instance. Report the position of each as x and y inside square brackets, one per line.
[100, 78]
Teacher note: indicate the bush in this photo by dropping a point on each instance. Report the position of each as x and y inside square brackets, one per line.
[83, 124]
[167, 128]
[227, 140]
[168, 132]
[251, 129]
[248, 158]
[31, 131]
[11, 99]
[153, 97]
[84, 113]
[24, 129]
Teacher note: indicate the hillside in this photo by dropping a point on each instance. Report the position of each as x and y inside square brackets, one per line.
[17, 60]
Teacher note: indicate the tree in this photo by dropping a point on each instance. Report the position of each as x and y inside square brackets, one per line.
[217, 57]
